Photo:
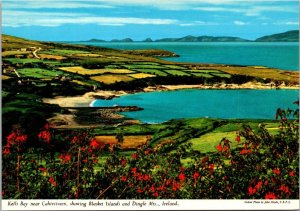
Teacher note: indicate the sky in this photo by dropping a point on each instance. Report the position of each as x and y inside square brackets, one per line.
[78, 20]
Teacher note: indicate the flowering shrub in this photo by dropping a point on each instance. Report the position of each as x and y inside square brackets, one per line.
[64, 166]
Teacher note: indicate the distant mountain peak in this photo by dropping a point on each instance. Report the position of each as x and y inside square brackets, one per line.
[123, 40]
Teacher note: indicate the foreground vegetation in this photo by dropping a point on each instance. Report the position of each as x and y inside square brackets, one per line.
[56, 165]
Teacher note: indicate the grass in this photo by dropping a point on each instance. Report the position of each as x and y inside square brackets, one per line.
[141, 75]
[22, 61]
[139, 129]
[140, 66]
[208, 142]
[206, 75]
[110, 79]
[87, 55]
[145, 63]
[38, 73]
[177, 72]
[152, 71]
[204, 71]
[64, 52]
[222, 75]
[176, 67]
[83, 71]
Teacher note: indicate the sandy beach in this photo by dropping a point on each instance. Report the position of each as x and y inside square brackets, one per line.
[88, 98]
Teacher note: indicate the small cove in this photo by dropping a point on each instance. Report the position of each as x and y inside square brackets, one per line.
[196, 103]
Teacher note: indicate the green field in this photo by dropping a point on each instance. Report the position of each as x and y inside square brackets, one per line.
[39, 73]
[139, 66]
[205, 75]
[152, 71]
[177, 72]
[21, 61]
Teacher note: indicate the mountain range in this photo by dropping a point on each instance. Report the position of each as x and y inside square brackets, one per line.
[289, 36]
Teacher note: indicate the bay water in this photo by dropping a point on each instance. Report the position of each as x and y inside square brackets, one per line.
[191, 103]
[280, 55]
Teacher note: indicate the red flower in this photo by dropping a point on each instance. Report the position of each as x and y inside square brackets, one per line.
[43, 169]
[162, 188]
[152, 189]
[270, 195]
[134, 170]
[238, 138]
[95, 160]
[219, 148]
[65, 158]
[139, 191]
[211, 167]
[155, 194]
[94, 144]
[52, 181]
[68, 157]
[74, 140]
[134, 156]
[292, 174]
[266, 182]
[259, 185]
[11, 137]
[181, 168]
[196, 175]
[140, 177]
[147, 152]
[181, 177]
[276, 171]
[285, 189]
[146, 177]
[6, 151]
[21, 138]
[246, 151]
[176, 186]
[123, 162]
[45, 136]
[204, 160]
[251, 191]
[123, 178]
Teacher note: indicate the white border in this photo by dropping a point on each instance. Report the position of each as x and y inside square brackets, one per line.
[150, 204]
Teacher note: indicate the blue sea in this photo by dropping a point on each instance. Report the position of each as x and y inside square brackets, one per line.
[283, 55]
[243, 104]
[190, 103]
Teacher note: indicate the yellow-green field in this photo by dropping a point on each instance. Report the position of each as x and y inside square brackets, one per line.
[83, 71]
[141, 75]
[110, 79]
[129, 142]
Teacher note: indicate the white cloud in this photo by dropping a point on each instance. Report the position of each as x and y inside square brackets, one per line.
[240, 23]
[249, 9]
[199, 23]
[161, 4]
[287, 23]
[22, 18]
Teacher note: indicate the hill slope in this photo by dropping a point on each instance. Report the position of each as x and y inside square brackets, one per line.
[289, 36]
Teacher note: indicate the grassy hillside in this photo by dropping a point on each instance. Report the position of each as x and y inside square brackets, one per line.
[289, 36]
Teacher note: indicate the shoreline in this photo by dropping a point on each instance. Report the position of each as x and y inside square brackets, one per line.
[88, 99]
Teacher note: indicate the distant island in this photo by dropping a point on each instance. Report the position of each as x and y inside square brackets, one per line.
[289, 36]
